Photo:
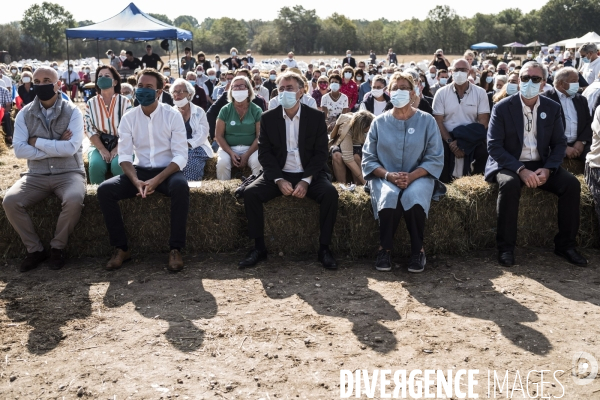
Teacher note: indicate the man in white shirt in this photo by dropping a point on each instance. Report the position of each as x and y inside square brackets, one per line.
[155, 134]
[70, 80]
[575, 112]
[527, 144]
[458, 104]
[298, 168]
[590, 62]
[432, 76]
[591, 94]
[290, 61]
[7, 81]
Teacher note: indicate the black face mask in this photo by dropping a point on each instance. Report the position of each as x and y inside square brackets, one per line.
[501, 72]
[44, 92]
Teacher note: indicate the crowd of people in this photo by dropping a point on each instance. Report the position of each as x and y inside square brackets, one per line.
[403, 130]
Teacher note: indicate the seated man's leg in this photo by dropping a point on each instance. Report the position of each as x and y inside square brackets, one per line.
[324, 193]
[568, 189]
[26, 192]
[109, 194]
[97, 167]
[507, 208]
[480, 158]
[255, 195]
[70, 189]
[176, 187]
[223, 166]
[446, 175]
[254, 164]
[73, 92]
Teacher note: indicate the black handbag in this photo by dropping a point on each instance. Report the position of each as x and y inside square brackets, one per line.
[111, 141]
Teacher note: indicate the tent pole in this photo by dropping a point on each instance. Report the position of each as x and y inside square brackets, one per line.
[68, 59]
[98, 50]
[192, 47]
[178, 66]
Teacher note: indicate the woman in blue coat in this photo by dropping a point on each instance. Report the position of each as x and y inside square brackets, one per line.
[403, 158]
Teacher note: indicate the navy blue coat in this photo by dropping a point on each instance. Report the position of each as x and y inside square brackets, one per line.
[505, 135]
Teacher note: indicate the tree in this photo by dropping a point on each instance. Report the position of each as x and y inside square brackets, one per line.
[444, 30]
[191, 21]
[567, 18]
[47, 22]
[227, 33]
[338, 34]
[298, 29]
[161, 17]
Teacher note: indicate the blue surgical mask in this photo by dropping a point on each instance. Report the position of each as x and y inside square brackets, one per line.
[585, 60]
[417, 91]
[145, 96]
[573, 89]
[443, 81]
[212, 77]
[529, 89]
[512, 88]
[489, 79]
[347, 75]
[193, 83]
[334, 86]
[400, 98]
[287, 99]
[272, 77]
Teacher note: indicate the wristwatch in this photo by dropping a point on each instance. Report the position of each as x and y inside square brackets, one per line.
[449, 140]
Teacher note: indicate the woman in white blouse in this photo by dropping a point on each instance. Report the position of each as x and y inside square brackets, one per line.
[196, 126]
[335, 102]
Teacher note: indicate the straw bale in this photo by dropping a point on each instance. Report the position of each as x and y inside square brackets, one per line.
[574, 166]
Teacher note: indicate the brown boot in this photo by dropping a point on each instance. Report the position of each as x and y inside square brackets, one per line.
[118, 258]
[175, 261]
[32, 260]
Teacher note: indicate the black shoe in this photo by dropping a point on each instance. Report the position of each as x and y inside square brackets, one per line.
[384, 260]
[417, 263]
[252, 258]
[506, 258]
[326, 258]
[57, 259]
[32, 260]
[572, 256]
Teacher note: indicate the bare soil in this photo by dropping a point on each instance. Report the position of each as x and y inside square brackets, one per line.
[286, 328]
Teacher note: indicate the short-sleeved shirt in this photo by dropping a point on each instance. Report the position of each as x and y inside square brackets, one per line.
[334, 108]
[240, 133]
[134, 64]
[151, 60]
[473, 103]
[70, 76]
[440, 64]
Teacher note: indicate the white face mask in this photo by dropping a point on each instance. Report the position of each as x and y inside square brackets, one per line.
[181, 103]
[26, 79]
[460, 77]
[129, 96]
[377, 92]
[239, 95]
[70, 69]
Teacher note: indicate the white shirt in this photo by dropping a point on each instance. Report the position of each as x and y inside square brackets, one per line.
[293, 164]
[378, 106]
[305, 99]
[590, 70]
[530, 150]
[334, 108]
[290, 63]
[262, 91]
[431, 81]
[70, 77]
[9, 83]
[570, 113]
[157, 140]
[591, 94]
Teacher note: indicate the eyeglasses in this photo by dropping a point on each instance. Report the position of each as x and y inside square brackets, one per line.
[529, 116]
[526, 78]
[178, 92]
[239, 87]
[288, 88]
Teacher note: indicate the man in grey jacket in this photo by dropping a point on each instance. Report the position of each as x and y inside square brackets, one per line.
[48, 133]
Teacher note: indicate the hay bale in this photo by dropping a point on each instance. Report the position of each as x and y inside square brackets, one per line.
[213, 223]
[210, 170]
[574, 166]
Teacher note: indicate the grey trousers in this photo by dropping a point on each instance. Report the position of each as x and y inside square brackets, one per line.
[31, 189]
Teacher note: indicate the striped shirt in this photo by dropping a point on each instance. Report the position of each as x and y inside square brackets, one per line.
[100, 118]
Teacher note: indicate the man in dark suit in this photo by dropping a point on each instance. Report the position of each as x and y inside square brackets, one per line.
[292, 149]
[575, 112]
[349, 59]
[526, 145]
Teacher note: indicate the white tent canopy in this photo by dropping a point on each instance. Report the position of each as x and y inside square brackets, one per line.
[592, 37]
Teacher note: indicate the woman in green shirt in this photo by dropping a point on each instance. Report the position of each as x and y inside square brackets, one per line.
[237, 129]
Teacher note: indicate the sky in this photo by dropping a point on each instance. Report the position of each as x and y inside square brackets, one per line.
[244, 9]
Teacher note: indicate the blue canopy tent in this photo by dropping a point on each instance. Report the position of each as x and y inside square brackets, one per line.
[131, 24]
[484, 46]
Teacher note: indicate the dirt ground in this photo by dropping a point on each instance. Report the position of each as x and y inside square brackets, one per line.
[285, 329]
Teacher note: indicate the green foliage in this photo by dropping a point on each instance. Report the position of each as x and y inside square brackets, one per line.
[298, 29]
[191, 21]
[161, 17]
[47, 23]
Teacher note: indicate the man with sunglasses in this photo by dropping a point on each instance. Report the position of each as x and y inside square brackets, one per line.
[526, 145]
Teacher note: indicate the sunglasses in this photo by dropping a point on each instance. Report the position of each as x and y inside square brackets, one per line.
[535, 79]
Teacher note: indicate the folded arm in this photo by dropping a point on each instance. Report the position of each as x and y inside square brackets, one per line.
[64, 148]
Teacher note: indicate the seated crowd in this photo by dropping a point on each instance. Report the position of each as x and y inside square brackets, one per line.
[401, 130]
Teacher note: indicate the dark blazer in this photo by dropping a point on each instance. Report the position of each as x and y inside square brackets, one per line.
[351, 62]
[584, 119]
[506, 130]
[312, 142]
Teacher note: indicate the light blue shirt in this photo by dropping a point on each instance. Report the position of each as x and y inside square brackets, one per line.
[47, 148]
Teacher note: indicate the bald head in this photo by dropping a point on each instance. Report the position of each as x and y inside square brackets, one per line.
[461, 63]
[45, 75]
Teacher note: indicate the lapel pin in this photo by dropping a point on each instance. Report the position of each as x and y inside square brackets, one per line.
[411, 131]
[232, 123]
[543, 115]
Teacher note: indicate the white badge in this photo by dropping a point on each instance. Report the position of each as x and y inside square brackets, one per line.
[232, 123]
[411, 131]
[543, 115]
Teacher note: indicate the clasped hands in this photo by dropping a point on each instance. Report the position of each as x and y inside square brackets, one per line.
[65, 136]
[287, 189]
[575, 150]
[400, 179]
[535, 178]
[146, 188]
[458, 153]
[239, 161]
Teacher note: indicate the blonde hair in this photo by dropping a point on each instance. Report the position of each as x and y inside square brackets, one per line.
[249, 85]
[360, 122]
[401, 75]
